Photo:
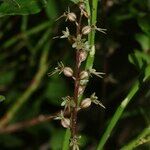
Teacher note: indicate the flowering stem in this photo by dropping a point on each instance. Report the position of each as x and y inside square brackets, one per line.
[74, 113]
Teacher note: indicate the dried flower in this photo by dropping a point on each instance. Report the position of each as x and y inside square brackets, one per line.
[81, 5]
[86, 103]
[60, 116]
[82, 55]
[81, 90]
[68, 72]
[61, 68]
[69, 16]
[84, 75]
[65, 122]
[86, 30]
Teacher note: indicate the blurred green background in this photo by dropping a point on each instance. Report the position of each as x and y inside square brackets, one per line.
[28, 53]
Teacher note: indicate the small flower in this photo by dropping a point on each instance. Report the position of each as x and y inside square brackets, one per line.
[58, 69]
[68, 72]
[67, 103]
[82, 56]
[82, 7]
[98, 74]
[61, 68]
[81, 90]
[81, 44]
[84, 75]
[66, 34]
[65, 122]
[84, 82]
[74, 142]
[86, 103]
[59, 116]
[94, 27]
[86, 30]
[69, 16]
[78, 44]
[95, 100]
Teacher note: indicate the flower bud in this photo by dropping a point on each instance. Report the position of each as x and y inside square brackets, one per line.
[86, 30]
[71, 16]
[84, 82]
[82, 56]
[84, 75]
[68, 71]
[81, 5]
[65, 122]
[86, 103]
[81, 90]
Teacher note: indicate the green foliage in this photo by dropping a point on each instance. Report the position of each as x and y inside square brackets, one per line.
[21, 7]
[57, 139]
[56, 89]
[139, 59]
[51, 9]
[144, 41]
[2, 98]
[144, 24]
[9, 77]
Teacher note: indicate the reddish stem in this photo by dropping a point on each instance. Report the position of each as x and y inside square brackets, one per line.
[76, 88]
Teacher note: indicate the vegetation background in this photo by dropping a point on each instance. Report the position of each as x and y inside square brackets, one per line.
[28, 53]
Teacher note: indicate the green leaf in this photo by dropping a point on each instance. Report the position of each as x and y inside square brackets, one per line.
[57, 139]
[147, 73]
[144, 24]
[2, 98]
[21, 7]
[51, 9]
[144, 41]
[139, 59]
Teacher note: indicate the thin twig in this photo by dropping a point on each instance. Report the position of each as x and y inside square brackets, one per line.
[25, 124]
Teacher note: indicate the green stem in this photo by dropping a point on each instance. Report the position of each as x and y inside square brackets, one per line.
[142, 138]
[91, 38]
[117, 115]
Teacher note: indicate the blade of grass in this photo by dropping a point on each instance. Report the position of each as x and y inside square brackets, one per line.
[66, 140]
[117, 115]
[34, 30]
[31, 89]
[142, 138]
